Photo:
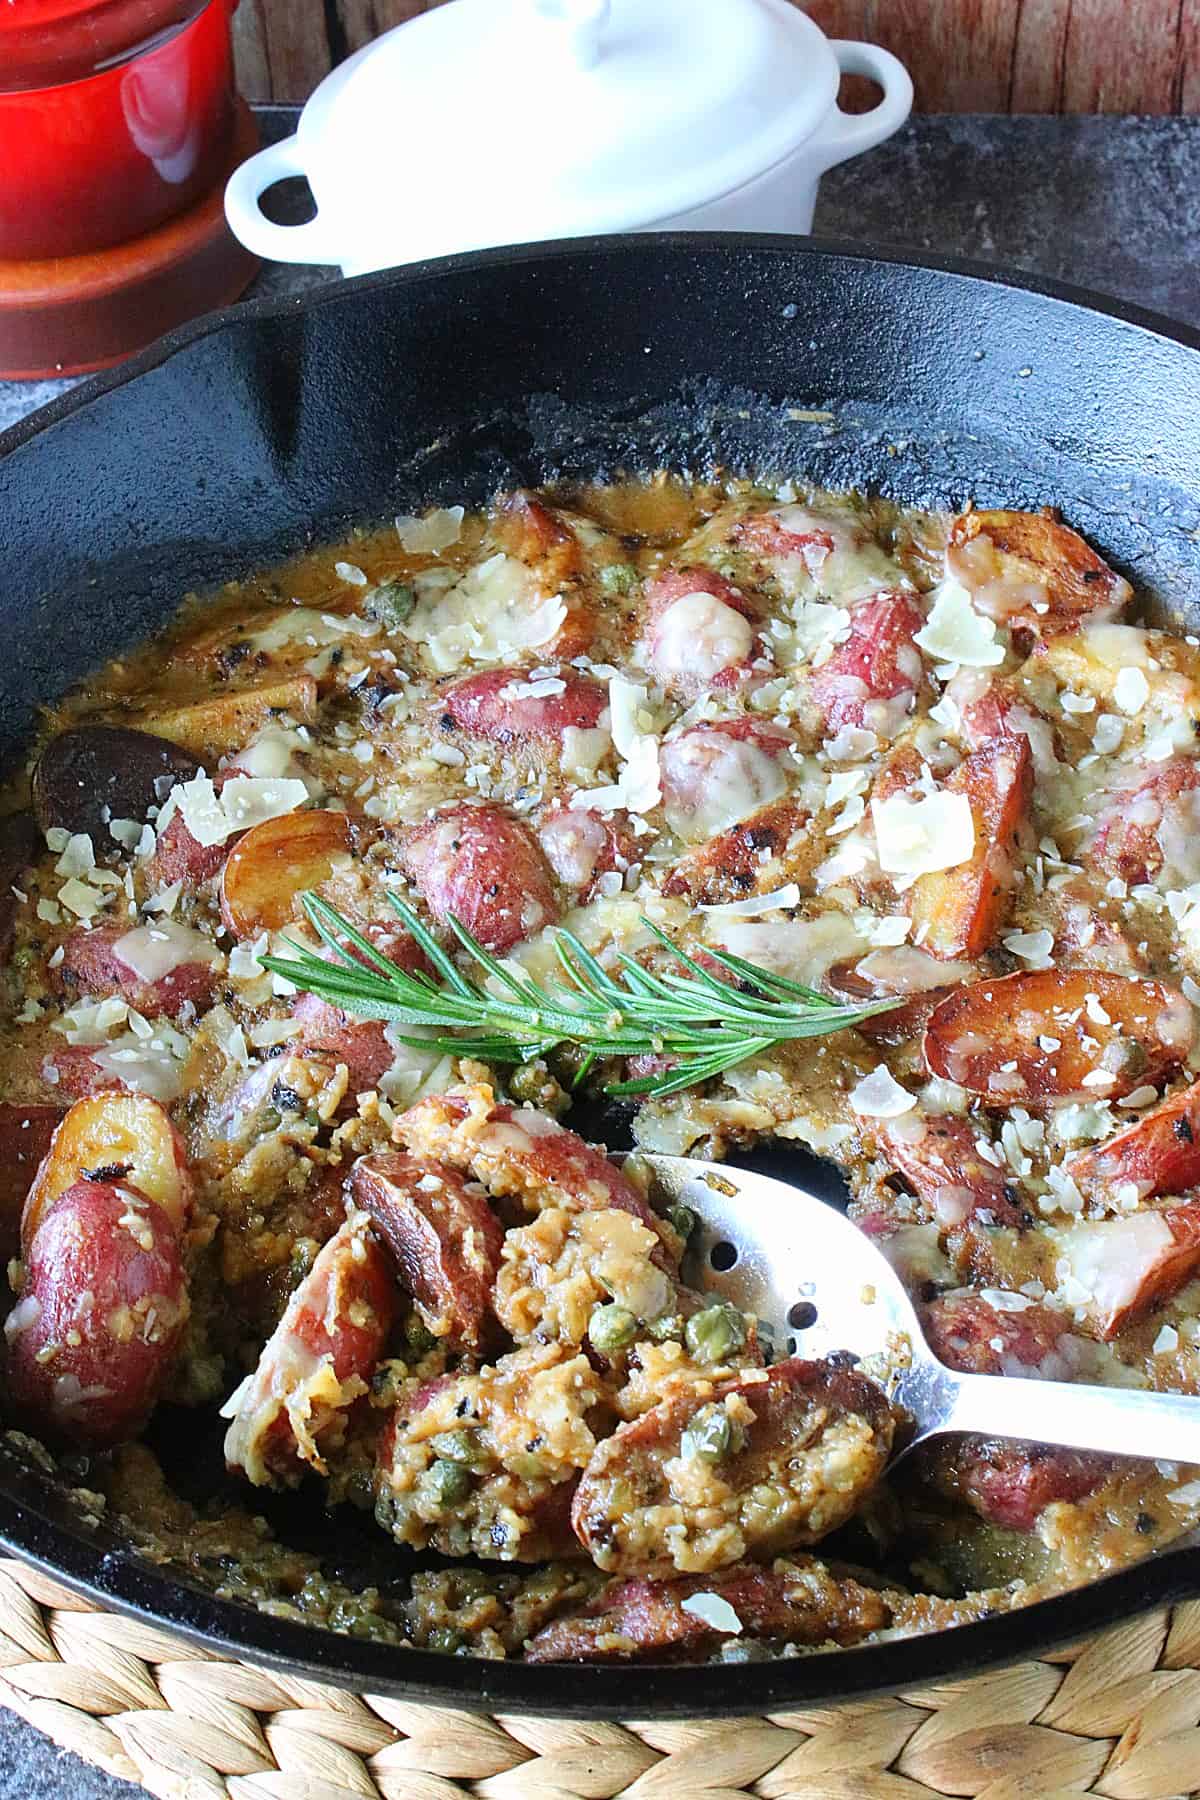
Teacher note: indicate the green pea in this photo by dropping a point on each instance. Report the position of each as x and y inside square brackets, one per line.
[391, 603]
[611, 1328]
[715, 1334]
[457, 1446]
[446, 1639]
[683, 1219]
[667, 1328]
[618, 578]
[448, 1482]
[418, 1341]
[712, 1436]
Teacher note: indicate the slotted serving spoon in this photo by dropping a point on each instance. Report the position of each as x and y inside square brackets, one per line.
[822, 1287]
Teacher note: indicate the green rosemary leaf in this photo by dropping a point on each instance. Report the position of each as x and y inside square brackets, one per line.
[482, 1007]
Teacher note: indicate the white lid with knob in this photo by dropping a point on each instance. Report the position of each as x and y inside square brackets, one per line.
[483, 123]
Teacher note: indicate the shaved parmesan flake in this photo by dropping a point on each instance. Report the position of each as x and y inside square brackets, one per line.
[880, 1096]
[491, 614]
[630, 718]
[955, 633]
[84, 901]
[273, 1031]
[818, 627]
[801, 949]
[1131, 690]
[638, 788]
[155, 951]
[844, 782]
[919, 837]
[851, 744]
[304, 625]
[149, 1065]
[713, 1611]
[245, 800]
[432, 534]
[754, 904]
[126, 832]
[78, 857]
[1108, 733]
[699, 636]
[270, 753]
[1033, 947]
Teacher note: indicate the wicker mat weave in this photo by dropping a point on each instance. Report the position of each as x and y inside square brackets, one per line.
[1119, 1716]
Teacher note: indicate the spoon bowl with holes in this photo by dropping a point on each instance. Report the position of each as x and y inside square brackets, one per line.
[821, 1288]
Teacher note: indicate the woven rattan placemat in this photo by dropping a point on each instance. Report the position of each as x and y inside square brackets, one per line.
[1117, 1716]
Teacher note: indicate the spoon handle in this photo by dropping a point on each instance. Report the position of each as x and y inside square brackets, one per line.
[1121, 1421]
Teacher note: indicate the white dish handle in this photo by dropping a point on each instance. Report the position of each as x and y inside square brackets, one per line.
[308, 243]
[844, 134]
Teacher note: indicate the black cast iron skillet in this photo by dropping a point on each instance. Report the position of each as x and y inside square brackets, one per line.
[240, 439]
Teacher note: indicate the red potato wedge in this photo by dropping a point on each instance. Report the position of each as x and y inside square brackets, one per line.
[93, 1336]
[516, 1151]
[1049, 1035]
[333, 1036]
[1159, 1153]
[276, 862]
[484, 867]
[716, 776]
[443, 1236]
[639, 1620]
[815, 1436]
[1030, 570]
[958, 912]
[1125, 1267]
[976, 1337]
[792, 535]
[993, 709]
[210, 729]
[939, 1156]
[701, 632]
[1128, 840]
[872, 679]
[114, 1137]
[94, 962]
[179, 857]
[293, 1409]
[581, 846]
[504, 706]
[1011, 1485]
[25, 1135]
[93, 773]
[740, 861]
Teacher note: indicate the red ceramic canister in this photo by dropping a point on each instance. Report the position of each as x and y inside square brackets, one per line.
[115, 115]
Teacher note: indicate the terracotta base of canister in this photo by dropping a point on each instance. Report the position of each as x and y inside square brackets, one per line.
[70, 315]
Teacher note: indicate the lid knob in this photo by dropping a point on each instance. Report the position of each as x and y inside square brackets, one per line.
[578, 26]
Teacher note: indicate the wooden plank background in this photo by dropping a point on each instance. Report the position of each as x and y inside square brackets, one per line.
[1125, 56]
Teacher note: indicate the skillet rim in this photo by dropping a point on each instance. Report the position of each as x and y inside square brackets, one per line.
[271, 306]
[240, 1631]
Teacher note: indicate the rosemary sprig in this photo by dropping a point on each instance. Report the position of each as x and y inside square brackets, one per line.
[703, 1024]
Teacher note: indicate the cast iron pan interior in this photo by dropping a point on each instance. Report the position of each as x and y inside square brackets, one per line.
[242, 438]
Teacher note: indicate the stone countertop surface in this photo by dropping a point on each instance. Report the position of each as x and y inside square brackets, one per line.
[1106, 203]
